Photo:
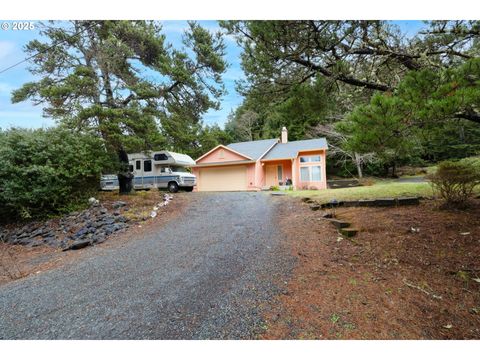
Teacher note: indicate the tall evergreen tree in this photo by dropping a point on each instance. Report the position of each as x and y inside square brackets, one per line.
[123, 80]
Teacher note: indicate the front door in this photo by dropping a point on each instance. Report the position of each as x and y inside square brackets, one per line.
[272, 173]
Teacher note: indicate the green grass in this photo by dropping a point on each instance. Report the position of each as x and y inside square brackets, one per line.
[381, 189]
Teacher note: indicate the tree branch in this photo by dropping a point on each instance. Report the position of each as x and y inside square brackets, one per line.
[344, 78]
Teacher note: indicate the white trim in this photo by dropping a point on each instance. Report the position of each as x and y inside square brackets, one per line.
[321, 149]
[224, 147]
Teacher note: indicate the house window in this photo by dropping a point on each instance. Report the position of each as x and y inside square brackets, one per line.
[304, 174]
[310, 173]
[315, 173]
[138, 165]
[130, 168]
[280, 172]
[160, 157]
[307, 159]
[147, 165]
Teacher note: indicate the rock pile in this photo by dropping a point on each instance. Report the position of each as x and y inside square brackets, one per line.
[73, 231]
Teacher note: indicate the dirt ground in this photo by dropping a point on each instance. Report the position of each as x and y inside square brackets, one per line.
[17, 261]
[411, 272]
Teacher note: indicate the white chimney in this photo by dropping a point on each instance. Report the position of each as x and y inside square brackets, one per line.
[284, 135]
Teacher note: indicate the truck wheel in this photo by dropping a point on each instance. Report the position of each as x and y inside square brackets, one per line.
[173, 187]
[189, 188]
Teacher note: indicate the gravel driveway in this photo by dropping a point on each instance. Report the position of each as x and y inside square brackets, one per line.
[206, 275]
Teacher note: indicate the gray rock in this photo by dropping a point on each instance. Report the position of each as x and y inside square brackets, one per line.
[79, 244]
[51, 241]
[119, 204]
[83, 231]
[109, 221]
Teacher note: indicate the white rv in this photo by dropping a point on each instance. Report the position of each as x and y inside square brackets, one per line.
[157, 169]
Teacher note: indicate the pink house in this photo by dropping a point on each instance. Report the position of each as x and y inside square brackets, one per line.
[257, 165]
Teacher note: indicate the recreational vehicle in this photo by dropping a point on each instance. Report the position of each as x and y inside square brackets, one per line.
[157, 169]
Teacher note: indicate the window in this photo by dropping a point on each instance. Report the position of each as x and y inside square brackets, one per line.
[310, 173]
[130, 168]
[304, 174]
[307, 159]
[315, 173]
[160, 157]
[138, 165]
[147, 165]
[280, 173]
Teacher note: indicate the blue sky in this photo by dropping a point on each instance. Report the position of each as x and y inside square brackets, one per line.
[27, 115]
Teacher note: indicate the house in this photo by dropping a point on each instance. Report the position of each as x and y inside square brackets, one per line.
[257, 165]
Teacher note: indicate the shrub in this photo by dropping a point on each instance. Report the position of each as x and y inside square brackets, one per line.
[455, 181]
[46, 171]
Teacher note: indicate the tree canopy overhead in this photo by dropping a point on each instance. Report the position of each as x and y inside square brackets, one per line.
[122, 78]
[364, 84]
[369, 54]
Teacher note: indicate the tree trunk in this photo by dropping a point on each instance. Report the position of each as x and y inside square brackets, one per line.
[125, 177]
[358, 162]
[394, 170]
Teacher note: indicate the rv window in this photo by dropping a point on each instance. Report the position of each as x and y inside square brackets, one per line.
[147, 165]
[130, 168]
[160, 157]
[138, 165]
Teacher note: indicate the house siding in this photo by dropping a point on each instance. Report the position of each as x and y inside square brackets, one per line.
[256, 170]
[322, 184]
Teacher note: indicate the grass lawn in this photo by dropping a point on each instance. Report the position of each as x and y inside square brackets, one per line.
[380, 189]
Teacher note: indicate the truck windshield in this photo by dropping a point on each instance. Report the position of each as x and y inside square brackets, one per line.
[178, 169]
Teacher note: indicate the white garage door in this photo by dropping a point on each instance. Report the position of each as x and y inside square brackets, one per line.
[229, 178]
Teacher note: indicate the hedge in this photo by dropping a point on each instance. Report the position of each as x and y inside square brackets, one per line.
[47, 171]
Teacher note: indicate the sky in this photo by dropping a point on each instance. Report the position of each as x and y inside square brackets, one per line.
[25, 114]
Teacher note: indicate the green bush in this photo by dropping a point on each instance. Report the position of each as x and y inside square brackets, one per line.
[47, 171]
[455, 180]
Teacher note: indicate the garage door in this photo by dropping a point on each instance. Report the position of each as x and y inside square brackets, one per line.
[231, 178]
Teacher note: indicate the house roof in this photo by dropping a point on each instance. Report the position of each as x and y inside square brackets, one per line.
[227, 148]
[253, 149]
[291, 149]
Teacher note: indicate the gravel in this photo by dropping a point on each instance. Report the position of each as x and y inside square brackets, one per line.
[206, 275]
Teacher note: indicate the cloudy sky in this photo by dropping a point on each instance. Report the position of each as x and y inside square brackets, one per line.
[26, 115]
